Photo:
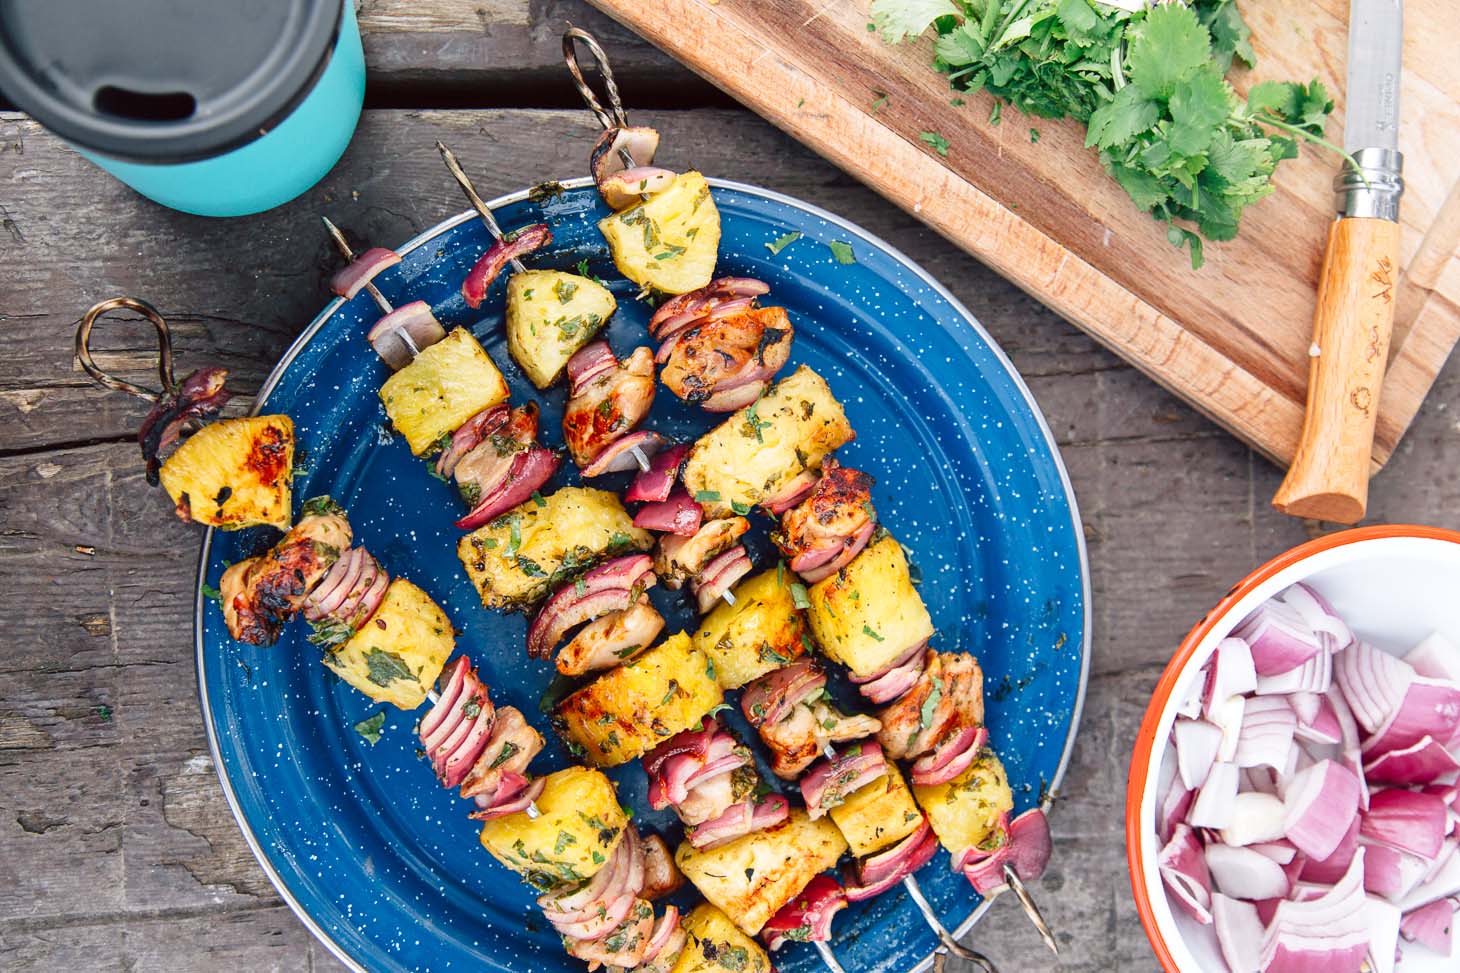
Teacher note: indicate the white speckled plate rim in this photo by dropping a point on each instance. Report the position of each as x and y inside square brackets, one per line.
[200, 600]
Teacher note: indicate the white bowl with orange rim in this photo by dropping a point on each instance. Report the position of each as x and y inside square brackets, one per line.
[1394, 584]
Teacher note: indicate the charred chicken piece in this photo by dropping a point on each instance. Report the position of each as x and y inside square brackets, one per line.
[609, 398]
[831, 526]
[725, 363]
[678, 559]
[949, 691]
[661, 876]
[611, 639]
[261, 593]
[795, 718]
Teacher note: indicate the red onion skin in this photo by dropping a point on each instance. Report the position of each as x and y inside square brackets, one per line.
[807, 917]
[1432, 925]
[677, 514]
[891, 862]
[919, 856]
[523, 241]
[201, 395]
[415, 319]
[455, 679]
[470, 434]
[516, 806]
[656, 483]
[1183, 869]
[351, 279]
[617, 456]
[830, 780]
[772, 697]
[612, 586]
[530, 470]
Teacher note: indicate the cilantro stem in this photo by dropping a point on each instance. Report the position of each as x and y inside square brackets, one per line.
[1265, 119]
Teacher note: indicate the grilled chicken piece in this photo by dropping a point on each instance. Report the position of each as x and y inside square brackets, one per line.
[838, 509]
[739, 353]
[661, 876]
[678, 559]
[611, 640]
[611, 403]
[797, 741]
[956, 682]
[261, 593]
[510, 749]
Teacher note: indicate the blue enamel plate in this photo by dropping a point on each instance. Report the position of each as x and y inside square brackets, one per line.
[379, 861]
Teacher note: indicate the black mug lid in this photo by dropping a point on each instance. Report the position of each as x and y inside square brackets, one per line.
[163, 80]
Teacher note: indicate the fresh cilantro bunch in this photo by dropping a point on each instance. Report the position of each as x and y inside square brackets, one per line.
[1148, 83]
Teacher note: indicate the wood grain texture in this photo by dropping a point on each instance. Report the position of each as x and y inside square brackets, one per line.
[1329, 476]
[1232, 338]
[117, 850]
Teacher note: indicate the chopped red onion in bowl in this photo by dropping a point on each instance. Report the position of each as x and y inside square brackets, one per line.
[1309, 803]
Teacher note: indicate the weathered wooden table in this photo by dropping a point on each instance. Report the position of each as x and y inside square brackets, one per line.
[117, 851]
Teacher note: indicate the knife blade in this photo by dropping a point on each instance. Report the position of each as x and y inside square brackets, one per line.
[1354, 315]
[1375, 49]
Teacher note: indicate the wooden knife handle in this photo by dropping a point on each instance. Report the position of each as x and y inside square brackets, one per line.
[1329, 478]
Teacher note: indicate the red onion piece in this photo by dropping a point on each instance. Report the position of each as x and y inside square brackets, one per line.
[1256, 818]
[1328, 932]
[1030, 844]
[1213, 805]
[608, 881]
[897, 679]
[1391, 873]
[1230, 673]
[612, 586]
[1173, 811]
[771, 698]
[1183, 868]
[1323, 726]
[351, 279]
[626, 187]
[1411, 821]
[1436, 657]
[806, 918]
[1422, 763]
[1373, 683]
[739, 820]
[796, 490]
[1313, 676]
[892, 866]
[843, 555]
[950, 758]
[200, 396]
[332, 589]
[1329, 870]
[517, 805]
[1197, 742]
[1239, 931]
[1266, 738]
[832, 779]
[1245, 874]
[736, 397]
[1441, 883]
[1278, 637]
[1383, 920]
[666, 930]
[461, 750]
[720, 576]
[530, 470]
[679, 312]
[1319, 615]
[469, 435]
[695, 742]
[1431, 925]
[619, 455]
[588, 363]
[455, 680]
[399, 335]
[1429, 707]
[655, 484]
[607, 157]
[1321, 801]
[677, 514]
[1280, 850]
[514, 245]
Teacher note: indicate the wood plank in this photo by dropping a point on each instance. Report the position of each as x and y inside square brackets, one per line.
[1232, 338]
[117, 850]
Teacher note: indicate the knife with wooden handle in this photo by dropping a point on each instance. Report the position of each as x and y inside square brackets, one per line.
[1329, 477]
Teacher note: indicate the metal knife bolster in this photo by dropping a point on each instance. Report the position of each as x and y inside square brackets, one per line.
[1373, 190]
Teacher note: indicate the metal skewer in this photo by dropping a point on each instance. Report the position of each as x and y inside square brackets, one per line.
[617, 117]
[1030, 908]
[464, 181]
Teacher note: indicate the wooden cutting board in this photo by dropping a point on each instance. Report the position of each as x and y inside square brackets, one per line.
[1231, 338]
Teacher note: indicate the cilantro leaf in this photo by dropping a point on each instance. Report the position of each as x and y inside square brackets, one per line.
[782, 242]
[842, 251]
[938, 143]
[1166, 47]
[370, 728]
[900, 20]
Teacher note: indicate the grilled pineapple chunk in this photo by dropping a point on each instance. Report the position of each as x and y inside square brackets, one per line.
[716, 946]
[580, 824]
[869, 613]
[445, 385]
[550, 315]
[762, 631]
[396, 656]
[965, 811]
[878, 814]
[669, 242]
[517, 558]
[630, 710]
[234, 473]
[750, 878]
[754, 454]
